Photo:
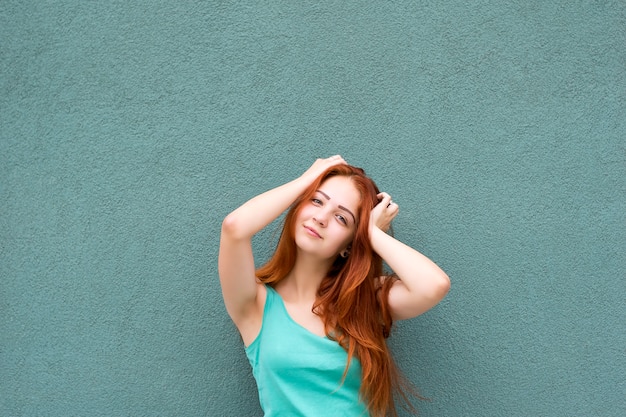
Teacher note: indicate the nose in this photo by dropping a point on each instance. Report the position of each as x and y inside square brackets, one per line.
[321, 217]
[319, 220]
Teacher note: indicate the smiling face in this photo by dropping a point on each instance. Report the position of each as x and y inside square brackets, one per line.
[325, 224]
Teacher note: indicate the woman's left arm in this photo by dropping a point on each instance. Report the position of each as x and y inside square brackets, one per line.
[422, 283]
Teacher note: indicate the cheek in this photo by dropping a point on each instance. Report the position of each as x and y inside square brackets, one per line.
[303, 212]
[347, 237]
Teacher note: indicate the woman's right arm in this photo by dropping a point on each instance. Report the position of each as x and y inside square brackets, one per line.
[236, 261]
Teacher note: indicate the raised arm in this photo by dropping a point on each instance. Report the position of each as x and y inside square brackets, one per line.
[236, 261]
[422, 283]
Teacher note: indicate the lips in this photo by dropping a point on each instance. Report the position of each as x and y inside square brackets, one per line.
[312, 232]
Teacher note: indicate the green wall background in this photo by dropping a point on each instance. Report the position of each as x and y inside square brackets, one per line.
[129, 129]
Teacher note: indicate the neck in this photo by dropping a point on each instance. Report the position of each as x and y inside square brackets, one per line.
[303, 281]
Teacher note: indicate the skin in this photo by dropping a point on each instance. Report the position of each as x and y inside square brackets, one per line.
[325, 225]
[324, 228]
[321, 235]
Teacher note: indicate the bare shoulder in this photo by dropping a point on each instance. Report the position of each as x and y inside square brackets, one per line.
[250, 321]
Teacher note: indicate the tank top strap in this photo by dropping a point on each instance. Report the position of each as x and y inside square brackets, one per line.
[270, 301]
[274, 310]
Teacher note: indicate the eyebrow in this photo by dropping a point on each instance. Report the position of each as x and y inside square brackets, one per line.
[341, 207]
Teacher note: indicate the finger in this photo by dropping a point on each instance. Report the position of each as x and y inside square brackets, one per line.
[384, 198]
[392, 208]
[336, 160]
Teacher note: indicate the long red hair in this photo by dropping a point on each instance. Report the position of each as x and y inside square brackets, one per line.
[351, 301]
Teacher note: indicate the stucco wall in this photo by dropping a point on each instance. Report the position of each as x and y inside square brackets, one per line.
[129, 129]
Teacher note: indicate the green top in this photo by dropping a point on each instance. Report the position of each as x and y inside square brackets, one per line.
[298, 373]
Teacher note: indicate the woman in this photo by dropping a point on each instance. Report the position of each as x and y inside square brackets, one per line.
[315, 317]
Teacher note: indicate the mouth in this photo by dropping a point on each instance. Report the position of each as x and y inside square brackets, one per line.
[312, 232]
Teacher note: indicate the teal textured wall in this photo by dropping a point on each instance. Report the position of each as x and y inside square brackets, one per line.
[129, 129]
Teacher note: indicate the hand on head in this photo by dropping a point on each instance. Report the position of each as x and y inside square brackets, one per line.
[384, 212]
[321, 165]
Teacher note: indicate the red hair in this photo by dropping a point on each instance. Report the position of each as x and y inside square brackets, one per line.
[351, 301]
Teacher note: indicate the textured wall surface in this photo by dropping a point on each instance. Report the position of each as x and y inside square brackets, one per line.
[129, 129]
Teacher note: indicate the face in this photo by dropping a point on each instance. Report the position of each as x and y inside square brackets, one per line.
[325, 224]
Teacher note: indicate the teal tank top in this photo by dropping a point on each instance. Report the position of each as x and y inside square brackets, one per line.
[298, 373]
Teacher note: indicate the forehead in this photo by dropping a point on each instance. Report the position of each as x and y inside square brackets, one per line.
[343, 191]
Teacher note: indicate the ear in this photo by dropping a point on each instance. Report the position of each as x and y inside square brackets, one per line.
[346, 252]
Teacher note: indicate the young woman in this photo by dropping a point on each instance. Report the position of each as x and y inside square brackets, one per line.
[314, 318]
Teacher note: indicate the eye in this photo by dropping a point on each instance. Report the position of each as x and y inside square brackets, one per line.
[316, 201]
[342, 219]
